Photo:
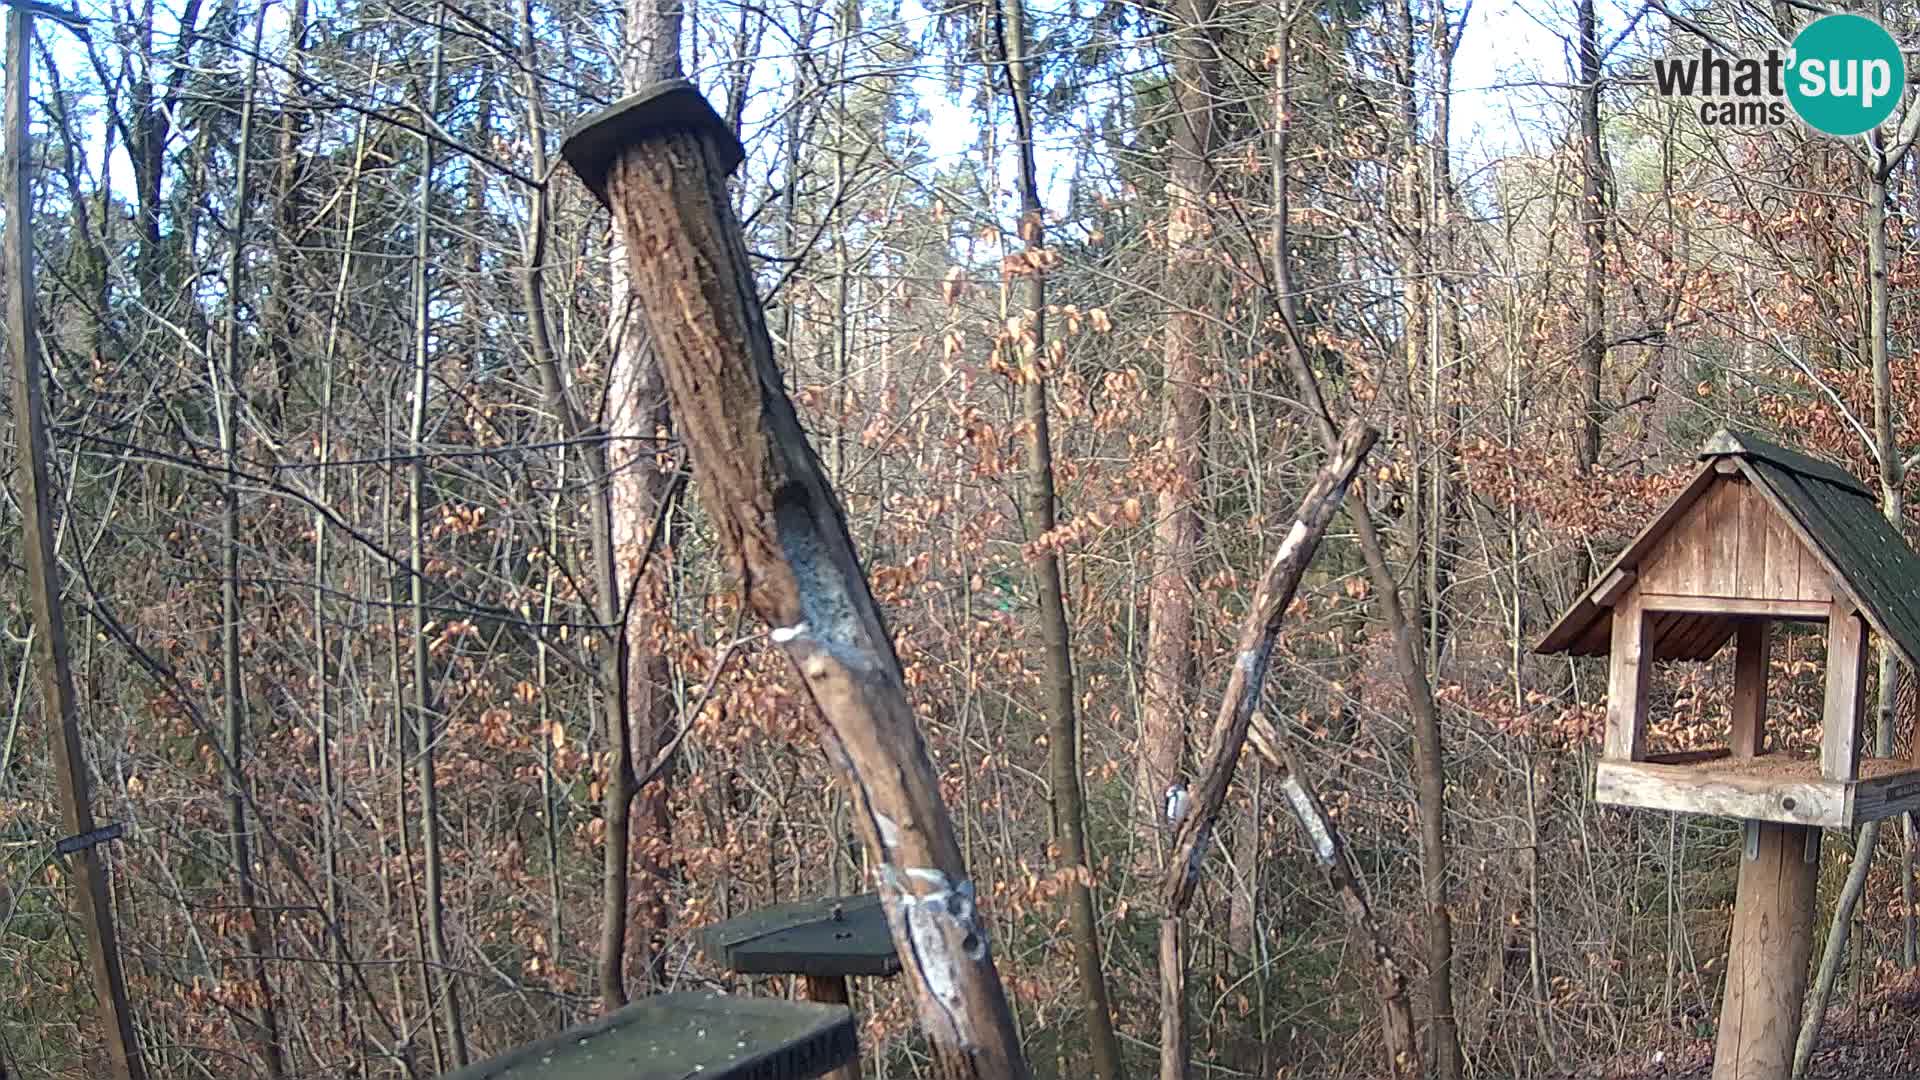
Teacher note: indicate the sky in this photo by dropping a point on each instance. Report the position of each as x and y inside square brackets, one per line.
[1508, 52]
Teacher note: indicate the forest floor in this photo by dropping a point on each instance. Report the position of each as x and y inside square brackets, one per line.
[1878, 1037]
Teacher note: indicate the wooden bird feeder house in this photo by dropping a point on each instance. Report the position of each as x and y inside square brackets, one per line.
[1762, 535]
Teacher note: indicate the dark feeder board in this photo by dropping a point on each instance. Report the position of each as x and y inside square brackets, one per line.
[684, 1036]
[822, 941]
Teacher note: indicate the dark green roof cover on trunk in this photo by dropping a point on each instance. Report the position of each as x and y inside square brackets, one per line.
[1859, 547]
[838, 936]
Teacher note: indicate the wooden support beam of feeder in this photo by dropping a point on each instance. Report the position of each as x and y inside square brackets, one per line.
[1767, 956]
[1751, 642]
[1846, 694]
[1627, 683]
[659, 160]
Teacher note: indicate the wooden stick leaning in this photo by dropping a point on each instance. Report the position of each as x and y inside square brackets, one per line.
[659, 160]
[1236, 720]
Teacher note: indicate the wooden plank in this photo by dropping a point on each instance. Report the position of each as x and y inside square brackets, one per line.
[1698, 789]
[1725, 529]
[1807, 610]
[1815, 584]
[1699, 637]
[1627, 683]
[1846, 695]
[1767, 956]
[1610, 587]
[1886, 795]
[1784, 556]
[1821, 584]
[1659, 625]
[1752, 640]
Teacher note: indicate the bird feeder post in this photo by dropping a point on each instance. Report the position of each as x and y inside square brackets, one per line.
[1768, 951]
[659, 161]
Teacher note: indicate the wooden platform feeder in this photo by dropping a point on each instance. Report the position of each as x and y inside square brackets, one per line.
[676, 1036]
[1762, 535]
[822, 941]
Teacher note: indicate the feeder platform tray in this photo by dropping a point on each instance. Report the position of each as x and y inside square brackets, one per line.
[1777, 786]
[822, 938]
[679, 1036]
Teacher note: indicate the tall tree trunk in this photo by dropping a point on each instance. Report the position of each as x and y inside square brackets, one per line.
[51, 659]
[443, 983]
[1429, 757]
[1183, 430]
[266, 1036]
[1593, 229]
[282, 315]
[1443, 345]
[1063, 735]
[640, 702]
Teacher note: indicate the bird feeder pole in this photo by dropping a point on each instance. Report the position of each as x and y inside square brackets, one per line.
[659, 160]
[51, 662]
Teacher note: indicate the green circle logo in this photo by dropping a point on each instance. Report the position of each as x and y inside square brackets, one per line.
[1847, 74]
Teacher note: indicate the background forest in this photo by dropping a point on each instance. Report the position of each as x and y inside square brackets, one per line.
[432, 712]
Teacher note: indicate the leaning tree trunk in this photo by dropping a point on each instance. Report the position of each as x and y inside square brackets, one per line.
[660, 163]
[1230, 727]
[52, 661]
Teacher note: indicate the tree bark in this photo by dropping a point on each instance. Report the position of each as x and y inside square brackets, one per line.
[639, 700]
[1176, 530]
[1063, 735]
[781, 527]
[1593, 229]
[442, 985]
[266, 1034]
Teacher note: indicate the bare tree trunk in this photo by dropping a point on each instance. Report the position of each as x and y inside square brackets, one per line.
[1429, 760]
[640, 701]
[1176, 530]
[92, 895]
[1063, 734]
[425, 703]
[1593, 222]
[266, 1036]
